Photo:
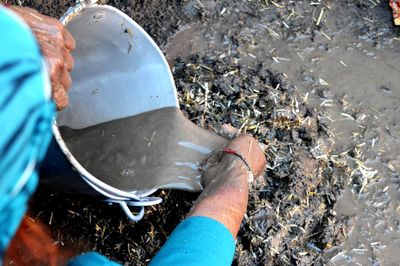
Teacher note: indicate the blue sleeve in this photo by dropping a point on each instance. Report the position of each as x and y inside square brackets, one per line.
[197, 240]
[93, 259]
[26, 111]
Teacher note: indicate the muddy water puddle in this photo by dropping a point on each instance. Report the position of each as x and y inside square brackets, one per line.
[156, 149]
[374, 238]
[359, 87]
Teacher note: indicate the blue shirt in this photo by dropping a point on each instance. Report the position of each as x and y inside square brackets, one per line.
[197, 241]
[25, 125]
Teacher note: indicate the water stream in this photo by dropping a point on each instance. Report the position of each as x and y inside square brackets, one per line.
[156, 149]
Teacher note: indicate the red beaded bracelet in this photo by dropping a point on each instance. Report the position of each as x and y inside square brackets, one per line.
[227, 151]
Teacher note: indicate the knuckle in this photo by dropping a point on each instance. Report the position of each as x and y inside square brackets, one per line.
[68, 82]
[56, 23]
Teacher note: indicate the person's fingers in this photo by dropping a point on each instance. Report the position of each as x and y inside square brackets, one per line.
[55, 60]
[60, 96]
[65, 79]
[56, 66]
[69, 40]
[60, 62]
[248, 147]
[56, 44]
[49, 34]
[59, 75]
[55, 29]
[228, 131]
[69, 61]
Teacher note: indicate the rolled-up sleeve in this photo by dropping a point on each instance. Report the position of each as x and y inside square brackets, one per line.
[197, 240]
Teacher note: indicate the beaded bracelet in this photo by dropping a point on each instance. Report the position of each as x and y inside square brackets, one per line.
[227, 151]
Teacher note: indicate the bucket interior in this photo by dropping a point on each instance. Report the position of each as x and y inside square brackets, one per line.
[119, 71]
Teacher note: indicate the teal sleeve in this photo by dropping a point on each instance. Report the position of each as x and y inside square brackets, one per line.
[26, 111]
[91, 258]
[197, 241]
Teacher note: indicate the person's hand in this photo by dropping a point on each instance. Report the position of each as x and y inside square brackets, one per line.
[247, 146]
[56, 44]
[226, 191]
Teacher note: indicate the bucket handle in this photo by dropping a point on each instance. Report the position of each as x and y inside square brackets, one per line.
[147, 201]
[140, 202]
[144, 202]
[128, 212]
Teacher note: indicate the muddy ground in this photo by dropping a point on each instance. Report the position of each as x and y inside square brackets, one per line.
[317, 82]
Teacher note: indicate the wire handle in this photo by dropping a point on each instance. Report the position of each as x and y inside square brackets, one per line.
[144, 202]
[129, 213]
[134, 201]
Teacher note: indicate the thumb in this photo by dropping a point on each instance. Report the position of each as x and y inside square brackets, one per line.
[60, 96]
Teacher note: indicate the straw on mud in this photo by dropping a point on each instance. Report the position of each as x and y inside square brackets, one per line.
[326, 36]
[277, 5]
[344, 64]
[151, 139]
[320, 16]
[369, 20]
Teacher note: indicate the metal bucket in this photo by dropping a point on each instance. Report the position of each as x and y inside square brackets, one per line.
[116, 75]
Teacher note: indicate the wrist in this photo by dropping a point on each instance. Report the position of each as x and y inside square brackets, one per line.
[225, 152]
[224, 200]
[228, 169]
[226, 193]
[240, 165]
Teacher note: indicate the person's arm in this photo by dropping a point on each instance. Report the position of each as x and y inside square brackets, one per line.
[225, 196]
[208, 235]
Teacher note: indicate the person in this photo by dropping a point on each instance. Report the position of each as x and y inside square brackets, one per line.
[35, 65]
[395, 5]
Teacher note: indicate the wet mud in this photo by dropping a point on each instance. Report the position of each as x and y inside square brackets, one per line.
[347, 68]
[301, 177]
[317, 83]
